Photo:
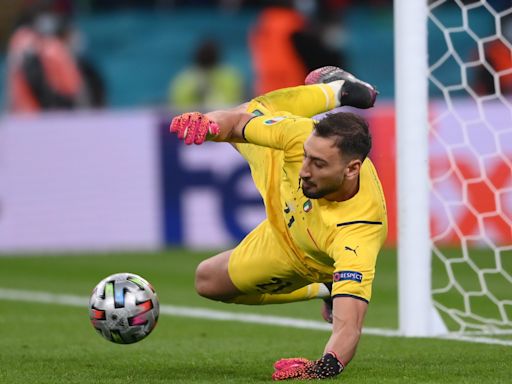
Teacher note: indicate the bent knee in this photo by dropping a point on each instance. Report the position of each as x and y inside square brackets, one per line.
[212, 281]
[203, 282]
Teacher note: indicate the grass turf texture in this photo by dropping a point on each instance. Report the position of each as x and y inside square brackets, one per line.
[44, 343]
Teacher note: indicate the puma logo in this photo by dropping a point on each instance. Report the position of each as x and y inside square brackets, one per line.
[352, 249]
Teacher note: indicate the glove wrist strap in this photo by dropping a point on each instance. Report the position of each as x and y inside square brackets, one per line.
[328, 366]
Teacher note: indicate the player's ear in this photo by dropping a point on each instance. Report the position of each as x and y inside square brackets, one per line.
[353, 168]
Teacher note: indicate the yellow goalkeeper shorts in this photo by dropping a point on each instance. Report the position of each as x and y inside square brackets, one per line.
[261, 263]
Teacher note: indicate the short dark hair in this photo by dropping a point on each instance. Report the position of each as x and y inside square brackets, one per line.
[349, 131]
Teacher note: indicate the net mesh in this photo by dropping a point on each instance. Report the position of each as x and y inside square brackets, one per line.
[470, 80]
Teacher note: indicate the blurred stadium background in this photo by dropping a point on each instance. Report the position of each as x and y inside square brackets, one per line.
[138, 48]
[97, 177]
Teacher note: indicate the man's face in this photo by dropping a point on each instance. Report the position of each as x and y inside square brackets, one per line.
[323, 168]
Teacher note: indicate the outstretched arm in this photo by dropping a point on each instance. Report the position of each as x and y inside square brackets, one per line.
[348, 316]
[227, 125]
[231, 123]
[327, 88]
[221, 125]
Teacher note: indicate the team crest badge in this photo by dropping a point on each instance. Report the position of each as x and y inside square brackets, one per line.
[274, 120]
[308, 205]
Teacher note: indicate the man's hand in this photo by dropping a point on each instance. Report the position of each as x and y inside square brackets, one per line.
[194, 127]
[304, 369]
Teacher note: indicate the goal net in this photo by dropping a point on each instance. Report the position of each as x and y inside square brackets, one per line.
[454, 131]
[470, 147]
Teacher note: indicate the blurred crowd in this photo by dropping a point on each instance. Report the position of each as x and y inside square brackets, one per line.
[96, 5]
[285, 44]
[47, 68]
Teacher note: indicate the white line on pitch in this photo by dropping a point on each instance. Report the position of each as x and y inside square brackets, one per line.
[172, 310]
[203, 313]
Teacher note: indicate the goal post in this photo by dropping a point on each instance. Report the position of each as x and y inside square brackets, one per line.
[417, 316]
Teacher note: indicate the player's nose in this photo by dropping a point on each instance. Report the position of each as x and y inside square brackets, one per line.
[304, 171]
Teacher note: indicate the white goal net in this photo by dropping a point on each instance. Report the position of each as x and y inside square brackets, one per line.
[470, 159]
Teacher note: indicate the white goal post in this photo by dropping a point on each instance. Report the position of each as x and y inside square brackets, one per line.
[470, 247]
[417, 316]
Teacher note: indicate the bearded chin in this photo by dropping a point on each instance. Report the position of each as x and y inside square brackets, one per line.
[313, 195]
[320, 193]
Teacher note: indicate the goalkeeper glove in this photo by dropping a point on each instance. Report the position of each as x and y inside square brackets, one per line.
[194, 127]
[303, 369]
[354, 92]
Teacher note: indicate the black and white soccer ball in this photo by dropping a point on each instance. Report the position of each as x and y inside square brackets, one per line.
[124, 308]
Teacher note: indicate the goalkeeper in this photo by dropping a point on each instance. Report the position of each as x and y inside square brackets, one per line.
[326, 214]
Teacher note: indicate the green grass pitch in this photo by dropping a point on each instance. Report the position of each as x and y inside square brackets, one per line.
[51, 343]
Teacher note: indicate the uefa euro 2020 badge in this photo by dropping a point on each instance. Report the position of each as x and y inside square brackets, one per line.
[308, 205]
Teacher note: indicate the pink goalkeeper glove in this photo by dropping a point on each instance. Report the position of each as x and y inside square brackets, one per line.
[291, 362]
[194, 127]
[304, 369]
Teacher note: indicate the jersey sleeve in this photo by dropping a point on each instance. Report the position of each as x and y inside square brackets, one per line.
[281, 131]
[354, 252]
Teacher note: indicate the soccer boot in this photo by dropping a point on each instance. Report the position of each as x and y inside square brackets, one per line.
[354, 92]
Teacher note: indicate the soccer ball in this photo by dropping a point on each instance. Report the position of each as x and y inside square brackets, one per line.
[124, 308]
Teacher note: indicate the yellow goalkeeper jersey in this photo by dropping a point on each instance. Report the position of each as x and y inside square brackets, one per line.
[341, 239]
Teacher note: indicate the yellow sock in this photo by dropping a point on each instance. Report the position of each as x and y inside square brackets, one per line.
[306, 100]
[311, 291]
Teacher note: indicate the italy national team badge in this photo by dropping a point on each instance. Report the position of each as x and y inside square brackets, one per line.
[307, 206]
[274, 120]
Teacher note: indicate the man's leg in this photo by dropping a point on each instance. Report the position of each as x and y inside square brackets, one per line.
[261, 270]
[212, 278]
[213, 282]
[352, 92]
[308, 292]
[326, 88]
